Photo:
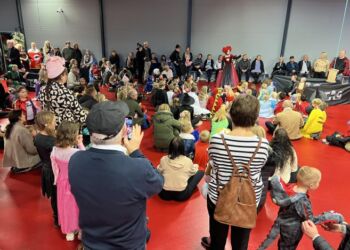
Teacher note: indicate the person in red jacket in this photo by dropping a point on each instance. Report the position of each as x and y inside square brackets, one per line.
[201, 150]
[215, 100]
[301, 105]
[279, 105]
[25, 104]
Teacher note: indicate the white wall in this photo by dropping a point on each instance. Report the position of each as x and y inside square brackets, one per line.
[8, 15]
[79, 23]
[315, 27]
[163, 23]
[250, 26]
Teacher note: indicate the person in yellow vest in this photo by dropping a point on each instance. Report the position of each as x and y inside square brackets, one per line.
[314, 124]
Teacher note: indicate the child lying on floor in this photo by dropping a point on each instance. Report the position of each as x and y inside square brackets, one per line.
[295, 208]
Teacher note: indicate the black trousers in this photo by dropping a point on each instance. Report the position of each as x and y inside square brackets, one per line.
[53, 201]
[183, 195]
[320, 75]
[270, 127]
[219, 231]
[244, 75]
[256, 76]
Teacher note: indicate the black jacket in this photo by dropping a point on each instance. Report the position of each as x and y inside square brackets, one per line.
[14, 57]
[262, 68]
[159, 97]
[321, 244]
[175, 57]
[279, 67]
[308, 64]
[211, 64]
[115, 60]
[77, 56]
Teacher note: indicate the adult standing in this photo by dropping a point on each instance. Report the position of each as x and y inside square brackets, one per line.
[113, 165]
[67, 53]
[13, 55]
[140, 63]
[55, 97]
[242, 143]
[86, 64]
[77, 55]
[47, 50]
[175, 58]
[115, 60]
[147, 60]
[35, 56]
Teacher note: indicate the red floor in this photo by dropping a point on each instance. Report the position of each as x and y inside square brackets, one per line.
[26, 223]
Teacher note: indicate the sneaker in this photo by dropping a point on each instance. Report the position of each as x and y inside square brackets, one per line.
[205, 242]
[70, 237]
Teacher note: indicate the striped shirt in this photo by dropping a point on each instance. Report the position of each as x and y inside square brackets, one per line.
[242, 149]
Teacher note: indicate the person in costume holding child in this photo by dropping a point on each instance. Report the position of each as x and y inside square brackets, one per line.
[228, 76]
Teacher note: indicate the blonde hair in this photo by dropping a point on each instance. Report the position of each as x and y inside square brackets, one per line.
[221, 114]
[244, 85]
[259, 131]
[323, 106]
[323, 55]
[308, 176]
[101, 97]
[204, 136]
[42, 119]
[317, 101]
[264, 86]
[43, 76]
[164, 107]
[176, 102]
[185, 116]
[249, 92]
[186, 127]
[203, 94]
[274, 95]
[298, 97]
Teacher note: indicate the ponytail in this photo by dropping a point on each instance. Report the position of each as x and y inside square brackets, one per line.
[14, 117]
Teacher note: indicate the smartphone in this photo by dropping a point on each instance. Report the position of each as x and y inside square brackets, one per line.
[128, 122]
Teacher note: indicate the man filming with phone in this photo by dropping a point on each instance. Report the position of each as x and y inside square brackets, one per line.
[112, 181]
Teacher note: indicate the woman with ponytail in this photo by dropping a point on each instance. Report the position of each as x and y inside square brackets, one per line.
[20, 153]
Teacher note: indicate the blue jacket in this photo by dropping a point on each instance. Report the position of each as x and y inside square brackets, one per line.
[111, 190]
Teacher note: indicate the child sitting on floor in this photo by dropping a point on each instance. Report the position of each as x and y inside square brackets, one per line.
[203, 96]
[188, 138]
[314, 123]
[185, 116]
[295, 208]
[220, 121]
[301, 105]
[201, 156]
[67, 138]
[263, 91]
[274, 99]
[266, 107]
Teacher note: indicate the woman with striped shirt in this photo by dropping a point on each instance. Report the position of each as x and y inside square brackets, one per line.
[242, 143]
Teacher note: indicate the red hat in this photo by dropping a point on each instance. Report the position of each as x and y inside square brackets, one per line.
[226, 48]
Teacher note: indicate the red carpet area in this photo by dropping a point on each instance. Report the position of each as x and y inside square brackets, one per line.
[26, 222]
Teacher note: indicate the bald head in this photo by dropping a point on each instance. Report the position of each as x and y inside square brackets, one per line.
[133, 94]
[287, 104]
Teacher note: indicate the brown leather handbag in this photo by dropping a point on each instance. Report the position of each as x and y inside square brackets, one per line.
[236, 205]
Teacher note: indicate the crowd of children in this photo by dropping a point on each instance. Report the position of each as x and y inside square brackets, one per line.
[182, 105]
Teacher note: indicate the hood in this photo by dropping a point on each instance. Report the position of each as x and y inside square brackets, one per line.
[162, 116]
[177, 163]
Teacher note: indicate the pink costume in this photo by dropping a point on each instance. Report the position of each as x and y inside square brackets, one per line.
[68, 212]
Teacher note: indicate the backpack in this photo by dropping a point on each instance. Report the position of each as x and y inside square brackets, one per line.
[236, 204]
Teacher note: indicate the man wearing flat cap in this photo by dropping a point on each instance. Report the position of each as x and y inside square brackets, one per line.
[112, 181]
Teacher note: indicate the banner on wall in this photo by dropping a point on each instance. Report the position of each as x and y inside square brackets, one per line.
[334, 94]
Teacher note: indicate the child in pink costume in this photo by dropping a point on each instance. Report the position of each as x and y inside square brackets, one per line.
[68, 213]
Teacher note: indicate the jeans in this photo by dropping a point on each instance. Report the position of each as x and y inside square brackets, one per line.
[256, 76]
[185, 194]
[219, 231]
[209, 74]
[243, 75]
[146, 69]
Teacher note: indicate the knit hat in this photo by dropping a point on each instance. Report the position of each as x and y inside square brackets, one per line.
[54, 66]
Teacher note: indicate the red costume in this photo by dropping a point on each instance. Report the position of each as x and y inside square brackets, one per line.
[35, 58]
[228, 75]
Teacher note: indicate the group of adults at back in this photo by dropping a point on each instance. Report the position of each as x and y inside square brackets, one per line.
[121, 222]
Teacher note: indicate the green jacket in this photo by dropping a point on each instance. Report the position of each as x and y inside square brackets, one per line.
[135, 111]
[165, 129]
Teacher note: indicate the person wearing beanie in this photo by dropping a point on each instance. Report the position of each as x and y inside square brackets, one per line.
[55, 97]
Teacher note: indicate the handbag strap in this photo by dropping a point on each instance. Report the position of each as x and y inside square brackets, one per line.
[235, 167]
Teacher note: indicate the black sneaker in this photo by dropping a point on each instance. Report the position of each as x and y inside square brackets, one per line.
[205, 242]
